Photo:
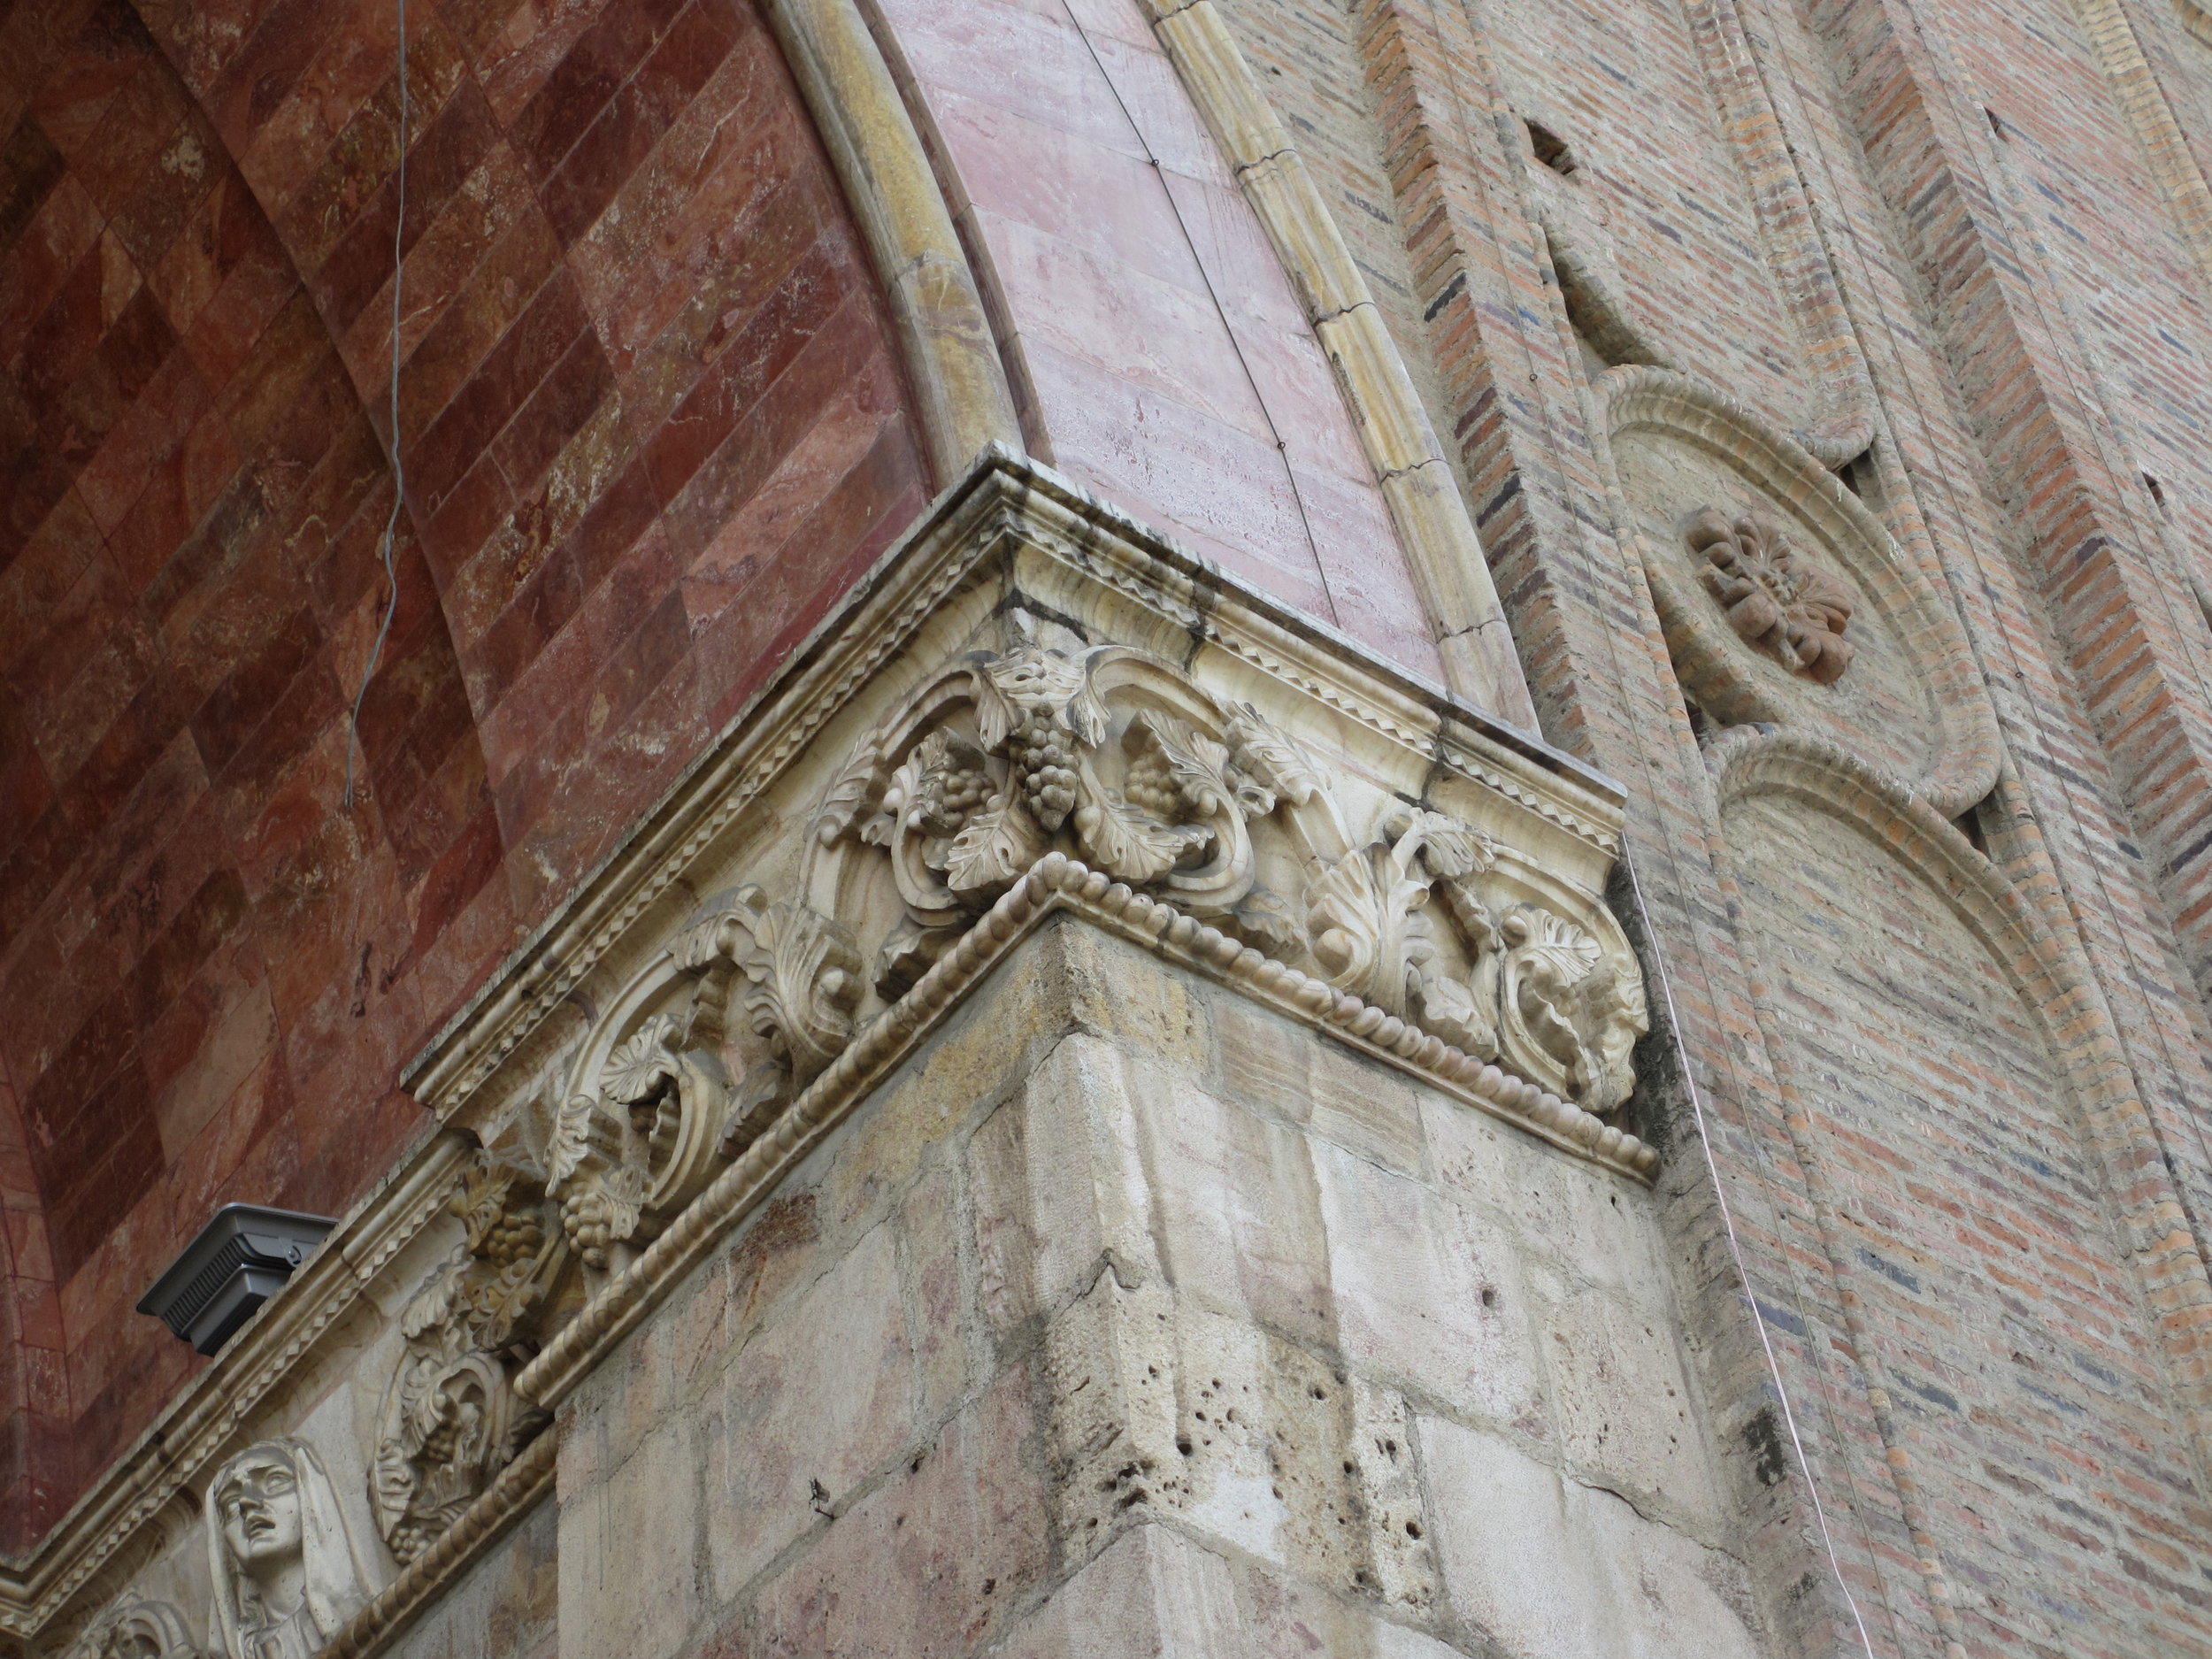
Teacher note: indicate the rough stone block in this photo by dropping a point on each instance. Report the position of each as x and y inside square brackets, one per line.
[1060, 1185]
[818, 1401]
[933, 1561]
[1237, 1212]
[1549, 1569]
[1269, 1064]
[629, 1562]
[1621, 1406]
[1427, 1294]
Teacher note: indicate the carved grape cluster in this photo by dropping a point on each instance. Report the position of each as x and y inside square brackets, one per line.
[949, 795]
[1046, 767]
[1150, 787]
[590, 1218]
[515, 1237]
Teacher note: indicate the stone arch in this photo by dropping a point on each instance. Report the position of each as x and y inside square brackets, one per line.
[960, 383]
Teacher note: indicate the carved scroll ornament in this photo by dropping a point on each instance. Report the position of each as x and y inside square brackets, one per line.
[669, 1087]
[1776, 595]
[1111, 755]
[450, 1420]
[1118, 758]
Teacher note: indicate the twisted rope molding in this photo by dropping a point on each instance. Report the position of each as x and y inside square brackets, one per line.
[1056, 882]
[512, 1493]
[966, 537]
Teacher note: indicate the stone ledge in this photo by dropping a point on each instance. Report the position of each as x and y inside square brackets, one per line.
[1033, 705]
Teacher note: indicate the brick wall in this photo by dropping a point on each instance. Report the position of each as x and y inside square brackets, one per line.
[1992, 1362]
[652, 421]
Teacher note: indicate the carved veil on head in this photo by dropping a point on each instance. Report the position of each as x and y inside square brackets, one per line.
[285, 1575]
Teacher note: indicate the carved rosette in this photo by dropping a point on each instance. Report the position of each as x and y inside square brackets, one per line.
[1776, 595]
[450, 1420]
[1116, 757]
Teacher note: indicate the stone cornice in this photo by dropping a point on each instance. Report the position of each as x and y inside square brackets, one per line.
[959, 543]
[1318, 830]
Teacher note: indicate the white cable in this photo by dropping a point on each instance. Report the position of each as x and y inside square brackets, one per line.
[399, 469]
[1735, 1250]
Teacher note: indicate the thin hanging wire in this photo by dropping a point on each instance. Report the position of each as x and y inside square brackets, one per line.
[1735, 1252]
[399, 467]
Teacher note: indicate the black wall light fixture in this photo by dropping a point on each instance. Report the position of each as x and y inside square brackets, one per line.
[241, 1257]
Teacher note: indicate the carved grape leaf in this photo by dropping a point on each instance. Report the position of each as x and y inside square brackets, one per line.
[995, 716]
[1272, 764]
[503, 1302]
[622, 1199]
[571, 1142]
[480, 1201]
[1197, 762]
[851, 798]
[999, 843]
[1551, 946]
[1129, 846]
[644, 1065]
[1453, 849]
[1550, 955]
[440, 1297]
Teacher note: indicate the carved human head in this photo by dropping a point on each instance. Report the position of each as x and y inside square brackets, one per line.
[257, 1499]
[279, 1548]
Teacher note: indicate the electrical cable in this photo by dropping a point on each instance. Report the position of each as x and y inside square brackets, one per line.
[1735, 1250]
[399, 467]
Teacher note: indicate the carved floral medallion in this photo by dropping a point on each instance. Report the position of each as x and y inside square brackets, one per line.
[1783, 598]
[1776, 595]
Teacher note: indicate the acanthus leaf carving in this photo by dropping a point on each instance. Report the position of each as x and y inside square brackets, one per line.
[669, 1087]
[451, 1419]
[1566, 1007]
[1267, 766]
[1116, 757]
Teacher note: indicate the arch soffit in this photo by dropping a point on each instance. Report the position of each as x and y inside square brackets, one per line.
[1963, 768]
[961, 401]
[962, 398]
